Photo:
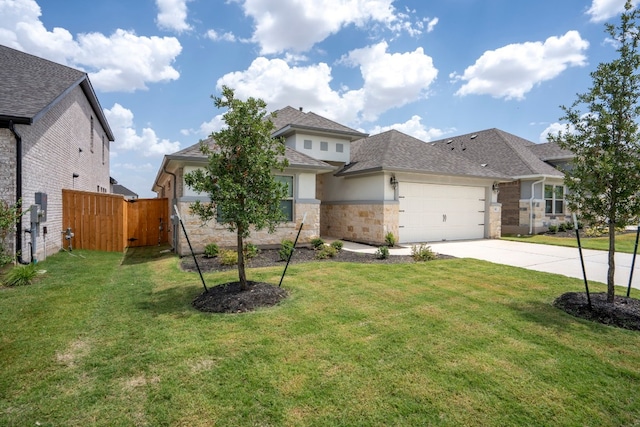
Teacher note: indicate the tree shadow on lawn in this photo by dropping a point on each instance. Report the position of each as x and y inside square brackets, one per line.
[144, 254]
[175, 300]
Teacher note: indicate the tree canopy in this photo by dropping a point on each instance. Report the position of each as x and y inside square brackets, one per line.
[604, 179]
[239, 177]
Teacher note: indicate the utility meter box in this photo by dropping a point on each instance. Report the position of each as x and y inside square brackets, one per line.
[41, 200]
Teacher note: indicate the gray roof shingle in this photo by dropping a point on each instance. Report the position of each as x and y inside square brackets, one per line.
[500, 151]
[295, 158]
[551, 151]
[396, 151]
[30, 86]
[288, 119]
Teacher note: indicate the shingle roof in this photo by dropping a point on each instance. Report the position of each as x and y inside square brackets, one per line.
[289, 118]
[31, 85]
[551, 151]
[396, 151]
[121, 189]
[500, 151]
[295, 158]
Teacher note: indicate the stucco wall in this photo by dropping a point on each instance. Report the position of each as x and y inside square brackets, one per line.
[329, 155]
[55, 147]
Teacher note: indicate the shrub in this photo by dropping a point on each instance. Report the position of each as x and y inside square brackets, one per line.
[211, 250]
[595, 231]
[553, 228]
[562, 227]
[422, 253]
[21, 275]
[337, 244]
[286, 248]
[382, 252]
[228, 257]
[390, 239]
[250, 250]
[326, 252]
[317, 243]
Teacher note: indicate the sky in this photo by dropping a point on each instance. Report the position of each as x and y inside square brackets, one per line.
[431, 69]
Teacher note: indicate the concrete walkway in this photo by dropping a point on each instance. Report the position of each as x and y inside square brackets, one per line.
[546, 258]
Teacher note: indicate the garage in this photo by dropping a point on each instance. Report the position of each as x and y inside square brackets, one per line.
[433, 212]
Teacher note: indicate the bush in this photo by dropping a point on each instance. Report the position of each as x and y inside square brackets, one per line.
[211, 250]
[286, 249]
[250, 250]
[326, 252]
[562, 227]
[423, 253]
[317, 243]
[21, 275]
[553, 229]
[337, 244]
[382, 252]
[228, 257]
[390, 239]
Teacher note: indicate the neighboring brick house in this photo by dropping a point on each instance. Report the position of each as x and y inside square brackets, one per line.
[53, 135]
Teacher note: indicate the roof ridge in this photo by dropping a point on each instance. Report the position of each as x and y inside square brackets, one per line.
[518, 149]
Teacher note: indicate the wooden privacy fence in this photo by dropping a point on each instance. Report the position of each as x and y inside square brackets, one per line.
[108, 222]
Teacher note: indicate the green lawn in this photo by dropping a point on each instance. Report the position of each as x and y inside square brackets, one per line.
[624, 242]
[106, 341]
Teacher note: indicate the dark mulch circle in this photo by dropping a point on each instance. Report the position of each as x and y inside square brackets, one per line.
[622, 313]
[229, 298]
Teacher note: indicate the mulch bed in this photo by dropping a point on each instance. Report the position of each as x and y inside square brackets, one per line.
[623, 312]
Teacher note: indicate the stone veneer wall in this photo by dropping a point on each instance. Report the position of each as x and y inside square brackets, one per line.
[201, 235]
[495, 221]
[8, 176]
[538, 216]
[359, 222]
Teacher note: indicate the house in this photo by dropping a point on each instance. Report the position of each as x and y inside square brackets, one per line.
[535, 198]
[124, 191]
[300, 176]
[358, 187]
[53, 136]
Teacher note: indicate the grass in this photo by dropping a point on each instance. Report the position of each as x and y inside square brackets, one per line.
[624, 242]
[104, 340]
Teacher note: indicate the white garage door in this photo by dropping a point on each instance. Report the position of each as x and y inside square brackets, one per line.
[430, 212]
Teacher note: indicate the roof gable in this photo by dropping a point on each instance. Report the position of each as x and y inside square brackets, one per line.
[32, 85]
[289, 119]
[500, 151]
[396, 151]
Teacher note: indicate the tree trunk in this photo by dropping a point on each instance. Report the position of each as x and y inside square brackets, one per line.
[611, 291]
[242, 276]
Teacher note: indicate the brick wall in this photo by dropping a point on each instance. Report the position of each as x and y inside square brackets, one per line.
[55, 147]
[8, 175]
[509, 198]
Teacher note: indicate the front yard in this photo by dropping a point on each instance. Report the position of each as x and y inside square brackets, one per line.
[104, 340]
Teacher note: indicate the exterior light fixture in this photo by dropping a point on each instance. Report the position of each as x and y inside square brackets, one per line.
[393, 181]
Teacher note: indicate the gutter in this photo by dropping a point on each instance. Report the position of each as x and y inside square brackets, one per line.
[18, 248]
[174, 228]
[533, 184]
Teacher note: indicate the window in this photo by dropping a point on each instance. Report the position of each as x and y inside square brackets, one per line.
[286, 204]
[324, 146]
[339, 148]
[308, 144]
[553, 199]
[91, 136]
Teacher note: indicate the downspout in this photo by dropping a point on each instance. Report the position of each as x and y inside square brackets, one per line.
[174, 229]
[533, 185]
[18, 247]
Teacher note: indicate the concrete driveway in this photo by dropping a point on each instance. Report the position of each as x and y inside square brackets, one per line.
[546, 258]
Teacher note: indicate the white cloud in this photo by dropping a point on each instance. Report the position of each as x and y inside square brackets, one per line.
[432, 24]
[513, 70]
[172, 15]
[555, 128]
[214, 125]
[122, 61]
[127, 138]
[415, 128]
[601, 10]
[279, 85]
[215, 36]
[299, 24]
[391, 79]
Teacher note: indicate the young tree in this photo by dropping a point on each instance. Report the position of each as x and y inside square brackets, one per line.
[239, 177]
[604, 181]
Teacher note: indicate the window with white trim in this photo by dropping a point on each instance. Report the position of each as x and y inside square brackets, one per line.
[339, 148]
[324, 146]
[308, 145]
[553, 199]
[286, 204]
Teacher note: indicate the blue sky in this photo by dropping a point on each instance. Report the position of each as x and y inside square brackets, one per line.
[431, 69]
